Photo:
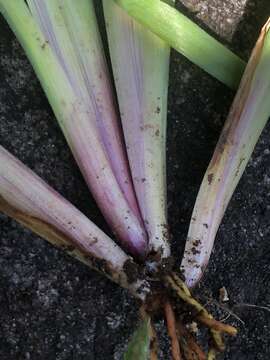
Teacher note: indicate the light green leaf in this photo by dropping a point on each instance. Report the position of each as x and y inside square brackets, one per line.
[187, 38]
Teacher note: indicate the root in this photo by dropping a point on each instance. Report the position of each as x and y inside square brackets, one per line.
[226, 310]
[212, 354]
[211, 323]
[203, 316]
[216, 327]
[191, 349]
[171, 325]
[256, 307]
[217, 340]
[183, 343]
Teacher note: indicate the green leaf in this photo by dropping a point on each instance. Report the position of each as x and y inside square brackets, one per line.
[187, 38]
[139, 345]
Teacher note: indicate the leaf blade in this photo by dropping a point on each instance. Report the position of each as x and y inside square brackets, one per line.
[139, 345]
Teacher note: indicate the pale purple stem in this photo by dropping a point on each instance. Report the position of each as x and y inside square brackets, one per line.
[27, 198]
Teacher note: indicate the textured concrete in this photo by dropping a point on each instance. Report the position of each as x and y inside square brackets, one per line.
[52, 307]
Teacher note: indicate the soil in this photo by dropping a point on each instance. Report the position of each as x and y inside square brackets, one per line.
[52, 307]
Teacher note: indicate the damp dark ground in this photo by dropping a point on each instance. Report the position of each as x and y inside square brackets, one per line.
[52, 307]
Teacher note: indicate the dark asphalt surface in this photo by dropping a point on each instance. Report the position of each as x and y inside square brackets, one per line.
[52, 307]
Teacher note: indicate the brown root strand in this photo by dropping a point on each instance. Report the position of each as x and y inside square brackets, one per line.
[187, 353]
[183, 343]
[190, 347]
[216, 325]
[203, 316]
[171, 325]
